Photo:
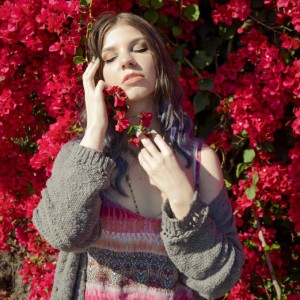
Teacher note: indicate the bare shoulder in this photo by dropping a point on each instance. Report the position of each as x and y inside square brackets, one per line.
[211, 176]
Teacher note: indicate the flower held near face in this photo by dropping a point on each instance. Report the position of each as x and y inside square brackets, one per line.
[120, 109]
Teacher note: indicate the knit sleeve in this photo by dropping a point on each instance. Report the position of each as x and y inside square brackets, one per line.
[68, 214]
[204, 245]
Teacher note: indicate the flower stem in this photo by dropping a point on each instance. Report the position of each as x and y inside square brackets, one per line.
[268, 260]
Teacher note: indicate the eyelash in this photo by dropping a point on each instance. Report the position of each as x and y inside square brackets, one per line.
[142, 50]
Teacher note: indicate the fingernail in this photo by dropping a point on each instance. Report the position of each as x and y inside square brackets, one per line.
[93, 59]
[97, 59]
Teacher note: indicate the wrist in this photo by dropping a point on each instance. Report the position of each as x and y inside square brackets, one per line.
[93, 138]
[180, 203]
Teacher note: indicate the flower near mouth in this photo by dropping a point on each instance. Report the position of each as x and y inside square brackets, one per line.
[120, 109]
[119, 95]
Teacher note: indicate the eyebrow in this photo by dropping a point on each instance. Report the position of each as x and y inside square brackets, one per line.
[132, 42]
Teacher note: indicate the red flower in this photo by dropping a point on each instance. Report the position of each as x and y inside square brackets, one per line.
[123, 123]
[146, 119]
[119, 102]
[134, 140]
[119, 95]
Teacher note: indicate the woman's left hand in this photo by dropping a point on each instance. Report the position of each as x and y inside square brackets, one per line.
[166, 173]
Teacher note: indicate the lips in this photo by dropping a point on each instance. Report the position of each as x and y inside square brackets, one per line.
[131, 78]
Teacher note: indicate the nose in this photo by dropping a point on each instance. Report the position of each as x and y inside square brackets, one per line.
[127, 61]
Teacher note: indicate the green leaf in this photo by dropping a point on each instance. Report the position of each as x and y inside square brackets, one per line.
[79, 60]
[240, 168]
[192, 12]
[145, 3]
[250, 192]
[227, 33]
[206, 84]
[30, 188]
[275, 246]
[151, 16]
[200, 101]
[79, 130]
[202, 59]
[259, 204]
[131, 130]
[156, 4]
[176, 30]
[1, 79]
[162, 20]
[255, 179]
[227, 183]
[244, 133]
[79, 51]
[238, 141]
[85, 2]
[267, 248]
[248, 155]
[179, 52]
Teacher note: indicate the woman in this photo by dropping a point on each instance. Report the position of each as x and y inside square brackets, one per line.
[156, 225]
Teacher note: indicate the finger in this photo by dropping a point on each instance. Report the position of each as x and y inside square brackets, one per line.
[101, 86]
[163, 147]
[144, 157]
[89, 74]
[148, 144]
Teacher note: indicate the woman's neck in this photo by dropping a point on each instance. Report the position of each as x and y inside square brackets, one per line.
[135, 107]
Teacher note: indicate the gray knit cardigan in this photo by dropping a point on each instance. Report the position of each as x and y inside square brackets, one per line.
[204, 246]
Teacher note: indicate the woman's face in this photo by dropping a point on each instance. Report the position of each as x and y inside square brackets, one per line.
[128, 62]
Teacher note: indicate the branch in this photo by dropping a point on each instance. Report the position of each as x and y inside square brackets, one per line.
[265, 25]
[268, 260]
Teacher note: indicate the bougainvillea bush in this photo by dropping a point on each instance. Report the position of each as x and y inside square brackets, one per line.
[239, 64]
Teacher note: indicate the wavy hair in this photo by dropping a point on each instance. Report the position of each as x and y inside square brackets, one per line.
[177, 126]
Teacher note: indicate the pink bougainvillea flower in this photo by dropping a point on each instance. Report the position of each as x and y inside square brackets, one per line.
[123, 122]
[146, 119]
[119, 95]
[134, 140]
[120, 109]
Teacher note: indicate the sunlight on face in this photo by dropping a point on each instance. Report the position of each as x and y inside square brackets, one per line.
[128, 62]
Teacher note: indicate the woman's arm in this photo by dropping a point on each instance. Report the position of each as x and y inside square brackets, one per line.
[204, 245]
[199, 234]
[68, 214]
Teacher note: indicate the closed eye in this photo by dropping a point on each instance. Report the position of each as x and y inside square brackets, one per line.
[140, 50]
[110, 60]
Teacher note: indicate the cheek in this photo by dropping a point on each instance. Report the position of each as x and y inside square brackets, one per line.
[153, 75]
[107, 75]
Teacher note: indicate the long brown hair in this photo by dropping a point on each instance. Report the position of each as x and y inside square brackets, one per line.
[168, 92]
[167, 86]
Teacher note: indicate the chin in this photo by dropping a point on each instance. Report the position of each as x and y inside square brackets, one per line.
[139, 95]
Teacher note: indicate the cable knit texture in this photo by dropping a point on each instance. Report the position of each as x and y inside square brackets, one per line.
[204, 246]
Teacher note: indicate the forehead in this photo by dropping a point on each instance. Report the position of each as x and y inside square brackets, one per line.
[121, 33]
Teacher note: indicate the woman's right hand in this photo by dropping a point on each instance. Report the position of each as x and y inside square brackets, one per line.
[97, 120]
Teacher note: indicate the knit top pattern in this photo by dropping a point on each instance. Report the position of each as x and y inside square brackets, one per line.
[129, 261]
[202, 250]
